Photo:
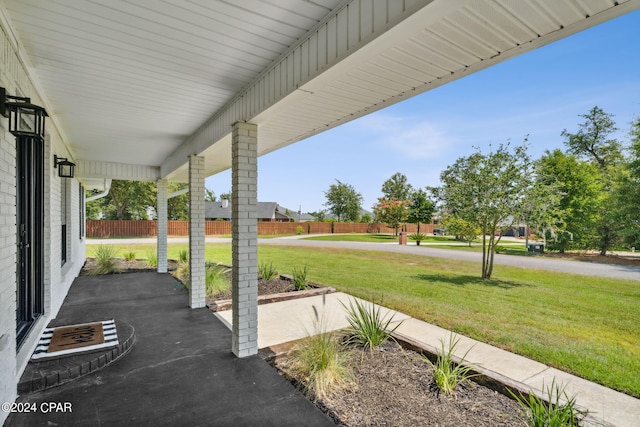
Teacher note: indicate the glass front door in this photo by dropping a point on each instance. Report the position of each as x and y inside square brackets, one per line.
[29, 220]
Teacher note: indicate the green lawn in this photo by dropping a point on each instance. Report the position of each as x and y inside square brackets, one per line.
[375, 238]
[583, 325]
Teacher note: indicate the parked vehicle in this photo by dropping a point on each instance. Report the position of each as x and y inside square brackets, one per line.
[439, 231]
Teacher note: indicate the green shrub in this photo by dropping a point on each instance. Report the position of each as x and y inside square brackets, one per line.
[560, 411]
[418, 237]
[300, 278]
[129, 255]
[267, 271]
[152, 257]
[105, 259]
[447, 374]
[299, 230]
[183, 256]
[368, 327]
[216, 278]
[500, 249]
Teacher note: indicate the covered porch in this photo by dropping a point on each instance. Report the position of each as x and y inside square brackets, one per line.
[179, 91]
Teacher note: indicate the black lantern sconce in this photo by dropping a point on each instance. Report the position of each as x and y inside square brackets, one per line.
[25, 118]
[64, 166]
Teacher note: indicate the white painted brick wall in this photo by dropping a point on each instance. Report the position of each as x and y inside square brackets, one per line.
[57, 280]
[7, 267]
[244, 229]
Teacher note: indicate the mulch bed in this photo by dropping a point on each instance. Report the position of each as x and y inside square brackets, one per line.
[395, 387]
[124, 266]
[265, 287]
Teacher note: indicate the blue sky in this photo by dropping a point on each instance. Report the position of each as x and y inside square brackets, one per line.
[538, 94]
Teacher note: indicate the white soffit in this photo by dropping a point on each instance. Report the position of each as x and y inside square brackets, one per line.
[151, 82]
[439, 43]
[130, 80]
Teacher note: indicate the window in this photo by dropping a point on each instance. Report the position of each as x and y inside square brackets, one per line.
[81, 210]
[63, 220]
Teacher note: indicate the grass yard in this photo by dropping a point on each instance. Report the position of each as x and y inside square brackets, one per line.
[584, 325]
[378, 238]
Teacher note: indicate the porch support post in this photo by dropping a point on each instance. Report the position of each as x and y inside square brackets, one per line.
[244, 231]
[162, 225]
[196, 232]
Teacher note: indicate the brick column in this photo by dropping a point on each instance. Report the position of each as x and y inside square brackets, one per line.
[244, 229]
[162, 225]
[196, 232]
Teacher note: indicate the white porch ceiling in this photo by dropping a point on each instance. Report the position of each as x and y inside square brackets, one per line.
[150, 82]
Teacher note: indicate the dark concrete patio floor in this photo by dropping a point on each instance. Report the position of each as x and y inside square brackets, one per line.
[180, 370]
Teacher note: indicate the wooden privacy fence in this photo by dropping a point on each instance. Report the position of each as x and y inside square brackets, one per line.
[116, 228]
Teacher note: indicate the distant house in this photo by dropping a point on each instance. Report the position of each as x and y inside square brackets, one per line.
[267, 211]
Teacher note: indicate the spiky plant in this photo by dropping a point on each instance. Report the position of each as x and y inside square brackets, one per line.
[447, 374]
[105, 260]
[368, 326]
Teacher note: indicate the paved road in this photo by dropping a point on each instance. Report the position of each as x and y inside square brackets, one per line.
[541, 263]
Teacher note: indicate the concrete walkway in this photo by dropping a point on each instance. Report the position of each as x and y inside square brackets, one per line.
[287, 321]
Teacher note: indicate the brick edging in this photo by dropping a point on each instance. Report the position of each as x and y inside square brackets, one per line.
[90, 363]
[221, 305]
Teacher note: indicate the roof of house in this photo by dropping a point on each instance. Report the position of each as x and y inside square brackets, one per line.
[266, 210]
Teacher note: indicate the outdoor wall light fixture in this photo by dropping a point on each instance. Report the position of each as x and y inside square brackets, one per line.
[64, 166]
[25, 118]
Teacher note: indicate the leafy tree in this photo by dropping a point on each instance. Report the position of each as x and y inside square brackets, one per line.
[626, 195]
[592, 140]
[320, 215]
[365, 218]
[209, 196]
[178, 206]
[579, 194]
[463, 230]
[421, 209]
[488, 190]
[397, 187]
[392, 212]
[93, 209]
[226, 196]
[128, 200]
[343, 201]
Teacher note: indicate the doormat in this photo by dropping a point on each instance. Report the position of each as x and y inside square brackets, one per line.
[67, 340]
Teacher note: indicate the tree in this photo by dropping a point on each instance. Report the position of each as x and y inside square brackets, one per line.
[463, 230]
[128, 200]
[365, 218]
[579, 194]
[209, 196]
[320, 215]
[178, 206]
[488, 190]
[421, 209]
[593, 141]
[626, 194]
[392, 212]
[343, 201]
[397, 187]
